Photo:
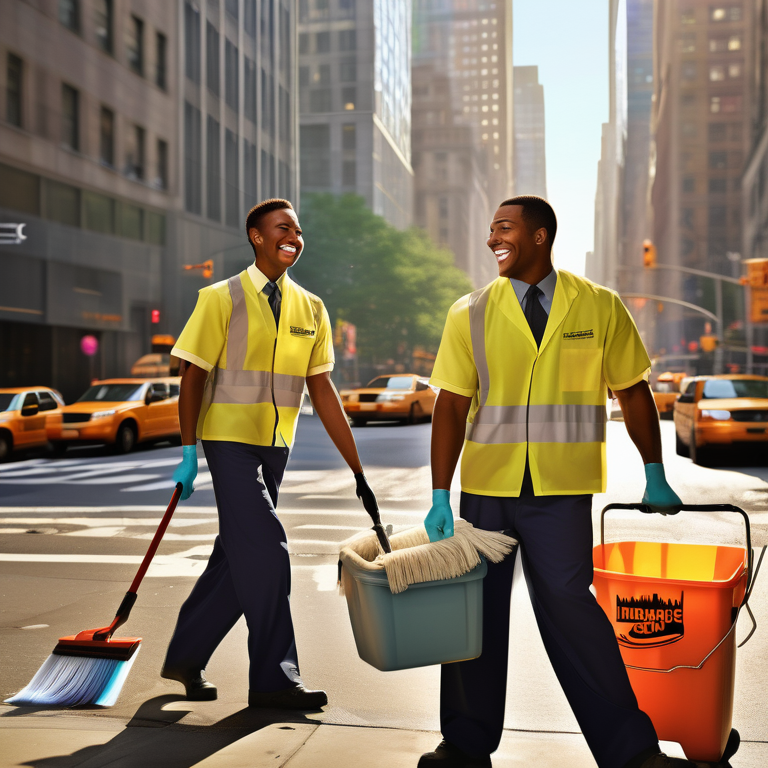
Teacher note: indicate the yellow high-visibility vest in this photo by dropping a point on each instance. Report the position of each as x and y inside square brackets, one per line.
[546, 404]
[256, 371]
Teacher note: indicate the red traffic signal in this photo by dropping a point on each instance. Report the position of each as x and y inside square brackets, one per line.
[155, 315]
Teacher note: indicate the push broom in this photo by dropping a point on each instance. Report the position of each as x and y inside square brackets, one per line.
[91, 666]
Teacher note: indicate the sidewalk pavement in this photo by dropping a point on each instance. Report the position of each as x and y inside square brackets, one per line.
[250, 738]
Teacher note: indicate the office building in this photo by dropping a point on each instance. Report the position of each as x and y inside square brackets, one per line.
[530, 160]
[134, 136]
[355, 102]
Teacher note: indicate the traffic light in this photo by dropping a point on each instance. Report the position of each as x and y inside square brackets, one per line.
[649, 254]
[155, 315]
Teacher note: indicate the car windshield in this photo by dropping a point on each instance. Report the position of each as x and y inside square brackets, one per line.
[727, 388]
[6, 398]
[391, 382]
[112, 393]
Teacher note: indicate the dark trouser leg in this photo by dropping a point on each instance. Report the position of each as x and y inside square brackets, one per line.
[556, 537]
[251, 572]
[473, 693]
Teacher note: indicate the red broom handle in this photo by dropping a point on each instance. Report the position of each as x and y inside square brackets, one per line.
[159, 533]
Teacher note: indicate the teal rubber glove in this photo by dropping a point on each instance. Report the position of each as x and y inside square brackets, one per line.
[658, 495]
[186, 472]
[439, 519]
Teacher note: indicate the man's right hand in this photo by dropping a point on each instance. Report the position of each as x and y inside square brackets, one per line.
[186, 472]
[439, 519]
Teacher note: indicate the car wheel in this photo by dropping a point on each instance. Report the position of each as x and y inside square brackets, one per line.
[358, 421]
[58, 448]
[416, 414]
[6, 446]
[680, 447]
[125, 439]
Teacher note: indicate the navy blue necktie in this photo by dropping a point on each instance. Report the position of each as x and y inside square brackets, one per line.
[273, 296]
[534, 313]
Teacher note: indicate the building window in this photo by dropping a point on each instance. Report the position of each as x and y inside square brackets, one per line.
[13, 90]
[249, 88]
[347, 7]
[688, 70]
[348, 40]
[231, 168]
[213, 165]
[717, 73]
[231, 75]
[161, 180]
[688, 16]
[722, 44]
[320, 100]
[98, 213]
[304, 42]
[107, 137]
[249, 21]
[267, 102]
[323, 75]
[134, 156]
[322, 42]
[70, 122]
[192, 166]
[718, 216]
[103, 23]
[718, 160]
[717, 131]
[192, 42]
[349, 173]
[689, 184]
[69, 14]
[212, 58]
[718, 186]
[134, 45]
[686, 218]
[230, 6]
[161, 49]
[349, 136]
[720, 13]
[303, 77]
[62, 203]
[725, 104]
[315, 147]
[443, 207]
[348, 71]
[348, 97]
[734, 71]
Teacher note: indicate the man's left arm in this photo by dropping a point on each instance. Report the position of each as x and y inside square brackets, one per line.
[327, 403]
[642, 421]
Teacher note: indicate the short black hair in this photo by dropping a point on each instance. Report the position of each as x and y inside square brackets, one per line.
[537, 214]
[258, 212]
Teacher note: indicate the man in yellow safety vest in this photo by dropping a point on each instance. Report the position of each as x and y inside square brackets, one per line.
[250, 345]
[523, 371]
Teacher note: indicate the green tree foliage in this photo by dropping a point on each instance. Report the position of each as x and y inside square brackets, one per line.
[396, 287]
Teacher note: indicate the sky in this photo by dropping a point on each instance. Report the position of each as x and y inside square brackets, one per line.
[568, 41]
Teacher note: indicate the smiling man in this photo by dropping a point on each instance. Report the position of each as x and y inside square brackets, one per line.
[250, 345]
[523, 370]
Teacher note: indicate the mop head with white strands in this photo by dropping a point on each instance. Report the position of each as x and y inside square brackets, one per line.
[415, 560]
[71, 681]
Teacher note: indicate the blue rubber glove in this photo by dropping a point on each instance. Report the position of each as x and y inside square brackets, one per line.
[439, 519]
[658, 495]
[186, 472]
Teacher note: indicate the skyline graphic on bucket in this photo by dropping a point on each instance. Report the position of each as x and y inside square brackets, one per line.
[655, 621]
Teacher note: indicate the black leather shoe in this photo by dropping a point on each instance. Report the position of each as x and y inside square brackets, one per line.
[297, 697]
[446, 755]
[193, 680]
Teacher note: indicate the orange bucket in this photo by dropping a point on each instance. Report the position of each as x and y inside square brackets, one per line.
[673, 608]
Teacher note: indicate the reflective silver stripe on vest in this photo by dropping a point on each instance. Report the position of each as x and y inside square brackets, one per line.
[246, 387]
[237, 336]
[478, 301]
[564, 423]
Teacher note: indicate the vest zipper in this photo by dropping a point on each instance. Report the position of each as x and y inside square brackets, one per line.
[272, 388]
[527, 425]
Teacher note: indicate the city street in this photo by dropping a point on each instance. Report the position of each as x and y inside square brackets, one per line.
[73, 530]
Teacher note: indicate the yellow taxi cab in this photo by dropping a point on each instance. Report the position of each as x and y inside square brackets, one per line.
[402, 396]
[29, 418]
[720, 410]
[123, 412]
[666, 390]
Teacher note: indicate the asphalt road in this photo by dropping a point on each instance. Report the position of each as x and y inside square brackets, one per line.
[73, 530]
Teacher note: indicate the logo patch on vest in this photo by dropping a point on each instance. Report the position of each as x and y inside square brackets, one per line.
[655, 621]
[572, 335]
[306, 332]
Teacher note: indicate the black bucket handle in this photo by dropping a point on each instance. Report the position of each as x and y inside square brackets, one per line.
[751, 571]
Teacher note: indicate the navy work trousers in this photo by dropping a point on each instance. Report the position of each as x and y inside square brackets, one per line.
[555, 535]
[248, 572]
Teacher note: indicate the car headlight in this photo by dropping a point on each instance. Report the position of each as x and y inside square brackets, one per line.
[717, 415]
[102, 414]
[349, 398]
[386, 397]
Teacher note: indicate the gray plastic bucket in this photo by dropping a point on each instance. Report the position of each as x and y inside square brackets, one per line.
[430, 623]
